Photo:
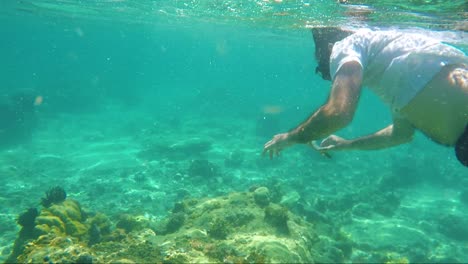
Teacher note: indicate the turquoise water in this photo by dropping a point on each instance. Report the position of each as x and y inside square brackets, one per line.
[129, 95]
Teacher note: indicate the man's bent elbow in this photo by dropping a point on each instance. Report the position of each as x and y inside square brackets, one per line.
[340, 116]
[403, 136]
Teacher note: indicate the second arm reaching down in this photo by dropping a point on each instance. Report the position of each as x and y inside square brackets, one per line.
[399, 132]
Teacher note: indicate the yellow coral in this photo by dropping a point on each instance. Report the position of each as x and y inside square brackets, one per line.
[62, 218]
[69, 209]
[45, 223]
[393, 258]
[76, 228]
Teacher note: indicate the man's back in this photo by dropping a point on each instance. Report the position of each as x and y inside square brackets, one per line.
[396, 65]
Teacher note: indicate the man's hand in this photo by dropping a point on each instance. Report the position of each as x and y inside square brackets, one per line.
[277, 144]
[330, 143]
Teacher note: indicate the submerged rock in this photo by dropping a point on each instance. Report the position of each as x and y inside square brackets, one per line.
[262, 196]
[290, 199]
[202, 168]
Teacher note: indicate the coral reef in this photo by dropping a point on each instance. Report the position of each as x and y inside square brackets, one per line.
[202, 168]
[277, 216]
[232, 229]
[131, 223]
[84, 259]
[174, 222]
[62, 226]
[219, 228]
[65, 218]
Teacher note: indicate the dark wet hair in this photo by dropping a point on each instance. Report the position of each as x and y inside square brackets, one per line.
[324, 39]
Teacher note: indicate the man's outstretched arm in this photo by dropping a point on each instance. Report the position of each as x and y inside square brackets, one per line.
[339, 109]
[334, 115]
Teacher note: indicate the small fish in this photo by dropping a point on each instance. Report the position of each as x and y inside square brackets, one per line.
[272, 109]
[326, 154]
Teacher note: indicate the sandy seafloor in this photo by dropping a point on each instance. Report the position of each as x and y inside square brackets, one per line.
[122, 160]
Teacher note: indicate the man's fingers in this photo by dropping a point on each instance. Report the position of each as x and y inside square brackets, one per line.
[317, 147]
[271, 152]
[268, 144]
[314, 145]
[321, 150]
[271, 149]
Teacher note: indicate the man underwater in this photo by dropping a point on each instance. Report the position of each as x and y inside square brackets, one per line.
[422, 80]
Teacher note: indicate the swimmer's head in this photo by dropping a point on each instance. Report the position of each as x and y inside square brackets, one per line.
[324, 39]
